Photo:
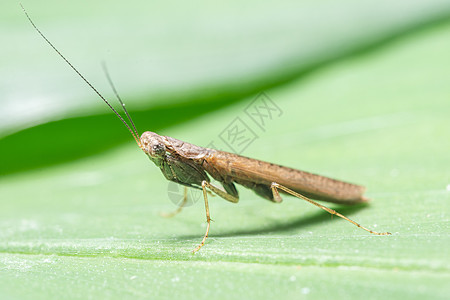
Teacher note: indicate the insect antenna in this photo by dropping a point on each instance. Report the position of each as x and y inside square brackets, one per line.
[134, 134]
[105, 69]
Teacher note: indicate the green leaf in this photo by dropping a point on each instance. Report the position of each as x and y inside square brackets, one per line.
[159, 54]
[91, 228]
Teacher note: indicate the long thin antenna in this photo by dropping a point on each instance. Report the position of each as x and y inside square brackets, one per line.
[136, 137]
[105, 69]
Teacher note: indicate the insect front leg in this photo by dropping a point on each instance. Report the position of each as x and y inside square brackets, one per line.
[221, 193]
[179, 208]
[276, 195]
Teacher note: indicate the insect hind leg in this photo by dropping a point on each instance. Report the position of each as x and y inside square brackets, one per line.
[276, 195]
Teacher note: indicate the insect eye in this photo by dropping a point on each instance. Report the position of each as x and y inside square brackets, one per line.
[158, 149]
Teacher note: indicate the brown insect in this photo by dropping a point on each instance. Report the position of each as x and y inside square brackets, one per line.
[192, 166]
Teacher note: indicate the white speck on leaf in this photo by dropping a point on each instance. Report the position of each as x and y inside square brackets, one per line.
[87, 179]
[305, 290]
[394, 173]
[28, 225]
[292, 278]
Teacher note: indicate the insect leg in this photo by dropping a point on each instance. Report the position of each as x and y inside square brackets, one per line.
[276, 195]
[221, 193]
[180, 207]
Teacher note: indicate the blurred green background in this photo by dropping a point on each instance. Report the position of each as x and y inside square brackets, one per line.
[364, 92]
